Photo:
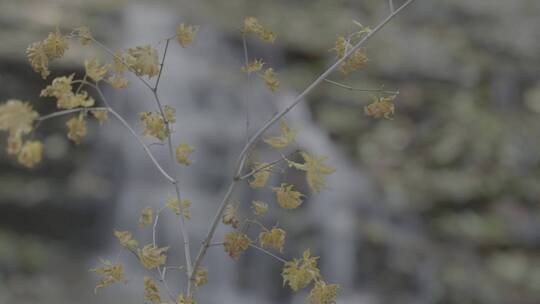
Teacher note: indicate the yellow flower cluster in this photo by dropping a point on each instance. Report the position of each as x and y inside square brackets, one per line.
[174, 205]
[230, 216]
[381, 107]
[182, 153]
[235, 243]
[201, 277]
[146, 217]
[151, 291]
[185, 300]
[94, 70]
[270, 79]
[323, 293]
[259, 208]
[100, 115]
[111, 273]
[275, 238]
[287, 136]
[76, 128]
[170, 114]
[253, 26]
[126, 240]
[151, 256]
[154, 125]
[17, 118]
[253, 66]
[40, 53]
[185, 34]
[299, 273]
[315, 168]
[84, 34]
[61, 88]
[260, 178]
[143, 60]
[31, 153]
[355, 61]
[288, 198]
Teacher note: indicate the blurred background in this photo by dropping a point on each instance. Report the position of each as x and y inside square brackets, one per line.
[438, 205]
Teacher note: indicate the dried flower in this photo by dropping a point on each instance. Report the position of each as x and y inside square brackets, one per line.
[143, 60]
[76, 128]
[260, 178]
[381, 107]
[235, 243]
[253, 66]
[315, 168]
[118, 82]
[299, 273]
[153, 125]
[170, 114]
[185, 300]
[55, 44]
[94, 70]
[357, 60]
[201, 277]
[85, 36]
[259, 208]
[230, 216]
[59, 87]
[270, 79]
[146, 217]
[175, 206]
[288, 198]
[182, 153]
[286, 137]
[111, 273]
[151, 256]
[30, 153]
[185, 34]
[151, 291]
[323, 293]
[126, 239]
[101, 115]
[252, 25]
[17, 116]
[274, 238]
[39, 61]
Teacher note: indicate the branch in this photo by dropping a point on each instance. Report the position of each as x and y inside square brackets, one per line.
[253, 140]
[268, 253]
[346, 87]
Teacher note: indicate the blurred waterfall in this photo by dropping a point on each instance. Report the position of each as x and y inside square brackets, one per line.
[205, 85]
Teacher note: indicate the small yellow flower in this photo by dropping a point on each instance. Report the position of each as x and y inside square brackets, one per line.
[30, 153]
[260, 178]
[287, 136]
[101, 115]
[151, 291]
[111, 273]
[259, 208]
[357, 60]
[270, 79]
[253, 26]
[59, 87]
[201, 277]
[315, 169]
[143, 60]
[170, 114]
[120, 64]
[17, 116]
[300, 273]
[185, 300]
[174, 205]
[230, 216]
[118, 82]
[323, 293]
[152, 257]
[274, 238]
[235, 243]
[39, 61]
[288, 198]
[146, 217]
[185, 34]
[126, 239]
[55, 44]
[76, 128]
[253, 66]
[70, 100]
[94, 70]
[381, 107]
[154, 125]
[182, 153]
[14, 143]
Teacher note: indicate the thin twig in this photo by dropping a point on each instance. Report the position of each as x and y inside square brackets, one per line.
[253, 140]
[337, 84]
[282, 260]
[248, 76]
[391, 5]
[161, 66]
